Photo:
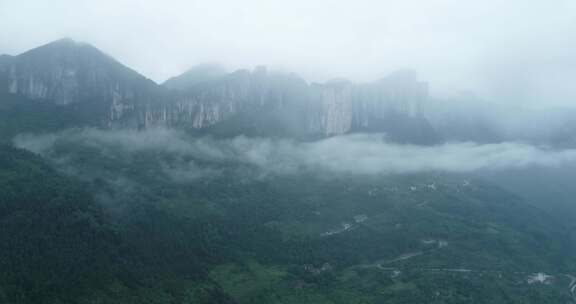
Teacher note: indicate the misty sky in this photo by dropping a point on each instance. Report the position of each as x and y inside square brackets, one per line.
[520, 51]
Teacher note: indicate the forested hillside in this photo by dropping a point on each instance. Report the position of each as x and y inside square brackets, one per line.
[164, 226]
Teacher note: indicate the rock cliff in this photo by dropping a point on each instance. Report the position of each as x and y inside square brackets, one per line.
[72, 74]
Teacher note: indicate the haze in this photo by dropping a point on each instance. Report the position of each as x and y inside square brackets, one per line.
[515, 51]
[359, 154]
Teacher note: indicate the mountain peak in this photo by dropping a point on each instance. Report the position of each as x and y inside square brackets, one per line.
[67, 43]
[64, 41]
[67, 71]
[66, 48]
[196, 75]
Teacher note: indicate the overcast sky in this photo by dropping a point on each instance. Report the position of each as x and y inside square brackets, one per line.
[515, 50]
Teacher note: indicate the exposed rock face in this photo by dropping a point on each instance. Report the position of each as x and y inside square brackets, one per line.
[240, 92]
[345, 107]
[337, 107]
[74, 74]
[5, 60]
[66, 73]
[335, 101]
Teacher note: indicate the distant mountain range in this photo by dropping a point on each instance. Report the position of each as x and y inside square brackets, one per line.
[207, 98]
[76, 83]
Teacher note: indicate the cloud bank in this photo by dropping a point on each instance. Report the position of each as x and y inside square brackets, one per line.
[350, 154]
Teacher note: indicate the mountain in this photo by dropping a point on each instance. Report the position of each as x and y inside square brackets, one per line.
[4, 60]
[77, 75]
[392, 105]
[74, 74]
[195, 76]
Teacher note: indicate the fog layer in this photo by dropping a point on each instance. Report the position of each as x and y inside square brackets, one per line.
[350, 154]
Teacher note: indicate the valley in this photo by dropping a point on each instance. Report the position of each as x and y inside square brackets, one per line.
[259, 187]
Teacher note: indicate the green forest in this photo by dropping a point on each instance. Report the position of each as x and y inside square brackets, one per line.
[88, 223]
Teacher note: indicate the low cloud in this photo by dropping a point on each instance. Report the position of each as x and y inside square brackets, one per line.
[350, 154]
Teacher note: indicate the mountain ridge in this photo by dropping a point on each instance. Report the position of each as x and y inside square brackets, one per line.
[70, 73]
[195, 75]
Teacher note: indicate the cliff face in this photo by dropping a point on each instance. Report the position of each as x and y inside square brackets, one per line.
[239, 93]
[344, 107]
[67, 73]
[333, 108]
